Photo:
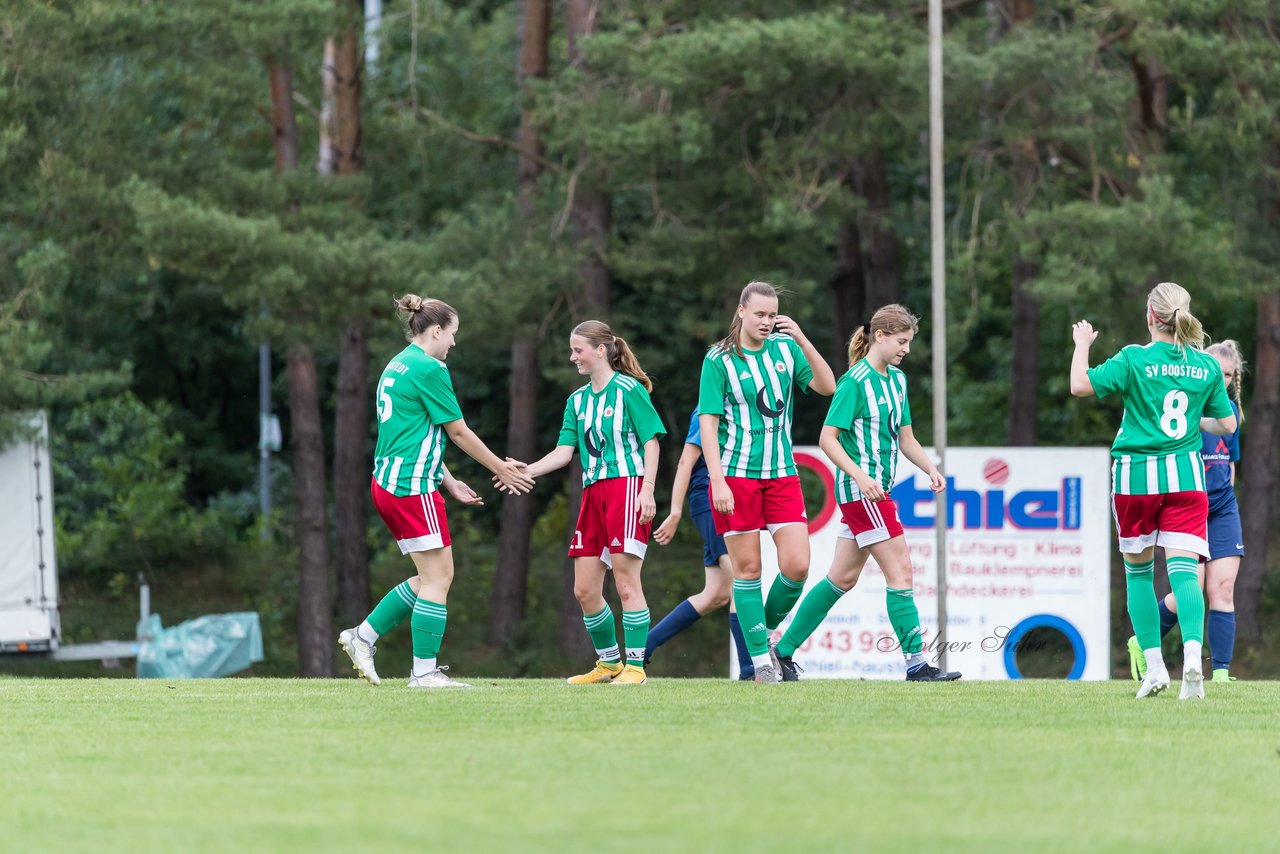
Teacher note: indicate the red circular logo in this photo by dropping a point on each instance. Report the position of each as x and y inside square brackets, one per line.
[819, 467]
[996, 471]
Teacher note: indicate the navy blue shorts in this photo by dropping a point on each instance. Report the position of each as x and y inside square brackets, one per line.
[1225, 536]
[712, 543]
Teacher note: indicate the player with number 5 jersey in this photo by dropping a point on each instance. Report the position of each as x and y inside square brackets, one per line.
[611, 423]
[1171, 390]
[417, 410]
[745, 402]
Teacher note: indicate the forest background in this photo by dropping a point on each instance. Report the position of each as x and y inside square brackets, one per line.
[184, 181]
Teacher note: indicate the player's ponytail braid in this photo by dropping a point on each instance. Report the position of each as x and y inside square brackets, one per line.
[1230, 349]
[616, 349]
[890, 319]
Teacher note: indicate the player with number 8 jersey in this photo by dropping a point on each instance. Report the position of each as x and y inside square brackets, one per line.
[1171, 390]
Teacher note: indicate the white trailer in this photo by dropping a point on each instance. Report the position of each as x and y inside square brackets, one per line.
[28, 569]
[30, 625]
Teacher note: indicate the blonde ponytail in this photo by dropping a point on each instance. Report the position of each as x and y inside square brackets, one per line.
[1169, 309]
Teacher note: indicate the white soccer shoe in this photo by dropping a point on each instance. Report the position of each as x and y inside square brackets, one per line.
[1192, 683]
[436, 679]
[361, 655]
[1156, 680]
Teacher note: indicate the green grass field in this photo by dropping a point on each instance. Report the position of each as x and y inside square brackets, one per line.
[686, 765]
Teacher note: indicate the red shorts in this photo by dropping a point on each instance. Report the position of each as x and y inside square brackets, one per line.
[1176, 520]
[609, 521]
[416, 521]
[761, 505]
[870, 522]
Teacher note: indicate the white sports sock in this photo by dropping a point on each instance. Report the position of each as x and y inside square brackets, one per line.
[1155, 659]
[915, 659]
[759, 661]
[1191, 655]
[423, 666]
[365, 632]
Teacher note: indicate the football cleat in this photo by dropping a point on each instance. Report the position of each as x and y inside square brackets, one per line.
[788, 669]
[630, 675]
[1222, 675]
[1192, 683]
[1153, 683]
[436, 679]
[767, 675]
[1137, 659]
[361, 655]
[928, 673]
[601, 674]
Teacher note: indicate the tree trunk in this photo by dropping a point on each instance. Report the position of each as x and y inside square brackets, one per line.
[849, 290]
[511, 575]
[1151, 106]
[592, 218]
[1023, 396]
[348, 149]
[1259, 469]
[1024, 403]
[283, 121]
[574, 640]
[328, 89]
[533, 63]
[315, 616]
[351, 454]
[882, 272]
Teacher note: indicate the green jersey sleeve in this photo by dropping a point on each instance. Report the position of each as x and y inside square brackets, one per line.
[1111, 376]
[804, 373]
[569, 426]
[848, 404]
[711, 387]
[436, 390]
[644, 418]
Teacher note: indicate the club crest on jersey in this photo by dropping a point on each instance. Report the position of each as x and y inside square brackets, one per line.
[780, 367]
[608, 412]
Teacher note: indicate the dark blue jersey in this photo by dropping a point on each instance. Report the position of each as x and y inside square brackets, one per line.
[699, 478]
[1218, 453]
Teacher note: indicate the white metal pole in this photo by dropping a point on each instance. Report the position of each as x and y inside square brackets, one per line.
[938, 269]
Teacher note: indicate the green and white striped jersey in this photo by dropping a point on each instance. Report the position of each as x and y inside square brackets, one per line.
[753, 395]
[610, 427]
[1166, 391]
[415, 397]
[869, 408]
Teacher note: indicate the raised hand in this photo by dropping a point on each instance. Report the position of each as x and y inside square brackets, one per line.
[788, 326]
[1083, 333]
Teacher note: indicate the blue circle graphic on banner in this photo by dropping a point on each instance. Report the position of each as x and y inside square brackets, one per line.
[1043, 621]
